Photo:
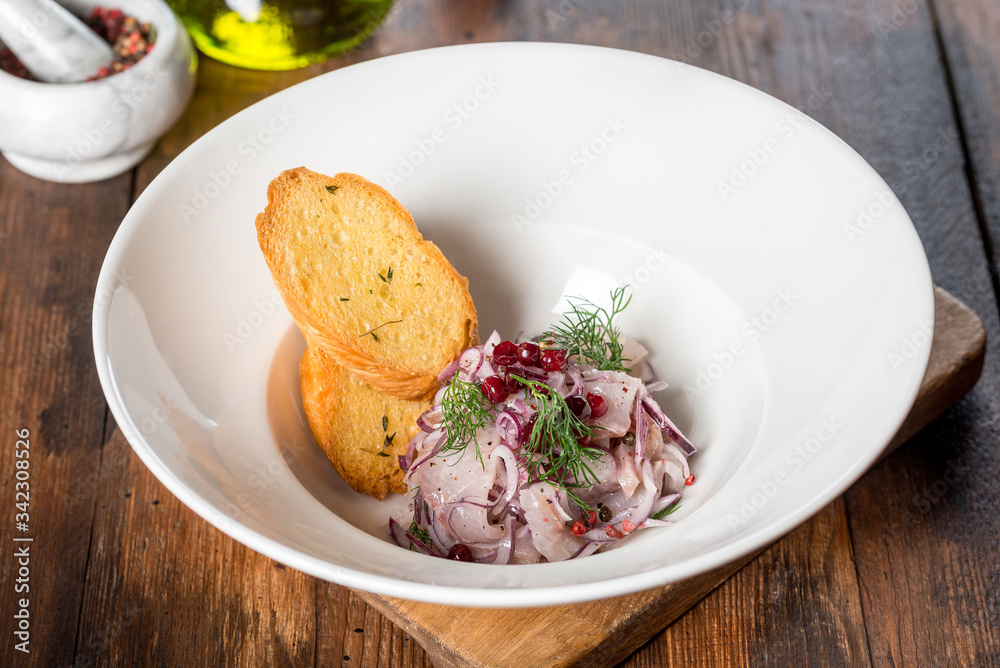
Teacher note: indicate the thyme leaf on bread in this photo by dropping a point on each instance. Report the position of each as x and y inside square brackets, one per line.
[588, 332]
[374, 329]
[332, 189]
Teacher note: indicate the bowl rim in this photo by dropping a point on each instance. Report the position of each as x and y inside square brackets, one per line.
[497, 598]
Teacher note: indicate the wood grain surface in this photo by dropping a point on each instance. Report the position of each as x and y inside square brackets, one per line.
[903, 570]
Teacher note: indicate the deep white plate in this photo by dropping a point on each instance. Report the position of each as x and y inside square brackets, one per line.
[779, 284]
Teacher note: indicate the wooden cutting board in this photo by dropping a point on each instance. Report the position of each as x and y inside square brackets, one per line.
[602, 633]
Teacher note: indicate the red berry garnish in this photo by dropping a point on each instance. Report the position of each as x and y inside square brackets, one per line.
[598, 405]
[553, 360]
[591, 519]
[528, 353]
[628, 526]
[528, 427]
[689, 480]
[612, 532]
[494, 389]
[513, 384]
[577, 404]
[578, 529]
[460, 552]
[505, 353]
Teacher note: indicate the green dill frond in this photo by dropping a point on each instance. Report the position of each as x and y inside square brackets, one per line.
[464, 412]
[553, 453]
[669, 510]
[423, 535]
[588, 333]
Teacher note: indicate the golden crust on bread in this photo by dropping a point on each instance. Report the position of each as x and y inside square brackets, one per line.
[346, 418]
[362, 283]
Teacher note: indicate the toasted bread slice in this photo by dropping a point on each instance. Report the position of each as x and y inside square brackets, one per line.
[362, 431]
[362, 283]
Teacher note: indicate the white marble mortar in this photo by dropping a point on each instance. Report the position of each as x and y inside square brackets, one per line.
[81, 132]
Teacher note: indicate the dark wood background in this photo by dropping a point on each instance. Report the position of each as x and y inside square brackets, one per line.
[903, 570]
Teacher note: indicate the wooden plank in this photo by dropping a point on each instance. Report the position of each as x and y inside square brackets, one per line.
[53, 240]
[927, 555]
[801, 572]
[163, 585]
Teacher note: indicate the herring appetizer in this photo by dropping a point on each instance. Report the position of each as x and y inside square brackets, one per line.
[543, 450]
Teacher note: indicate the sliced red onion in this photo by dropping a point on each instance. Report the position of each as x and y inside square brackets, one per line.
[650, 522]
[664, 423]
[556, 380]
[420, 508]
[642, 505]
[505, 550]
[430, 419]
[657, 386]
[434, 442]
[588, 549]
[509, 428]
[398, 533]
[448, 372]
[520, 408]
[469, 363]
[578, 388]
[406, 539]
[491, 342]
[404, 463]
[513, 477]
[641, 431]
[598, 535]
[664, 501]
[517, 512]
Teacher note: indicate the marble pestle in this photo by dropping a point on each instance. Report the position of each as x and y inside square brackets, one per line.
[55, 45]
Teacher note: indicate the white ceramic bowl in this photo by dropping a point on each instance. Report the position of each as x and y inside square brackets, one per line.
[89, 131]
[780, 286]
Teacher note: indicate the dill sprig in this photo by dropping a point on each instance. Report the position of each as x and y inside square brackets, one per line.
[553, 453]
[464, 412]
[669, 510]
[423, 535]
[588, 332]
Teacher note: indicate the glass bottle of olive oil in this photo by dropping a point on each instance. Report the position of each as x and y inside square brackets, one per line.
[278, 34]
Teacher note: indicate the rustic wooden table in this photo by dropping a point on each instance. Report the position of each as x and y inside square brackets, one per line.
[903, 570]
